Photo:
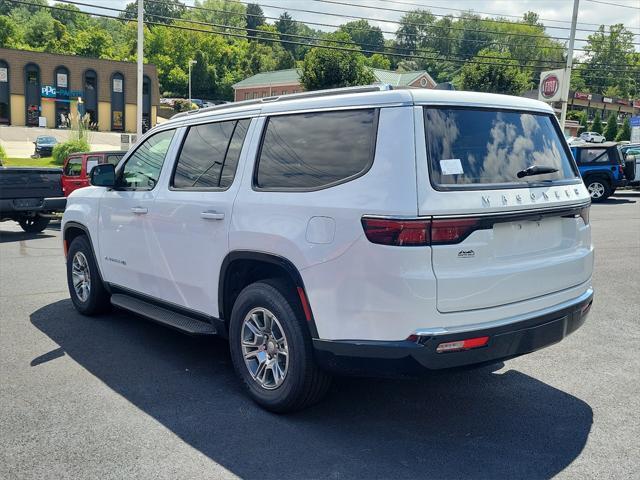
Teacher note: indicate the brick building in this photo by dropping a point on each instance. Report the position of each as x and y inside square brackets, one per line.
[36, 84]
[282, 82]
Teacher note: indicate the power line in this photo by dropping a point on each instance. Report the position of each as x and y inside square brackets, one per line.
[613, 4]
[398, 2]
[398, 10]
[440, 57]
[272, 40]
[415, 35]
[344, 15]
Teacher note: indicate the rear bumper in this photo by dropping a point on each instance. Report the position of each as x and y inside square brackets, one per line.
[409, 357]
[620, 183]
[9, 209]
[57, 204]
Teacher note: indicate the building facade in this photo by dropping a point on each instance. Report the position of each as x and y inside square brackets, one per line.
[38, 88]
[595, 104]
[282, 82]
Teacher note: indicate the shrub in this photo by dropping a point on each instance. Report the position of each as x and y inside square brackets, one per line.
[3, 154]
[625, 132]
[63, 150]
[183, 105]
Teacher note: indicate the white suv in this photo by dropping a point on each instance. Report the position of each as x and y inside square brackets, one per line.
[593, 137]
[357, 230]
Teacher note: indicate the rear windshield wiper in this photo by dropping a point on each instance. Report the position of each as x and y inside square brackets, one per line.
[536, 170]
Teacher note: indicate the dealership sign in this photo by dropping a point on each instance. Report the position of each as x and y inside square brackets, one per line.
[582, 96]
[550, 88]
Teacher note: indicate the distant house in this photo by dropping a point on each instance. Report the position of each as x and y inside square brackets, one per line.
[281, 82]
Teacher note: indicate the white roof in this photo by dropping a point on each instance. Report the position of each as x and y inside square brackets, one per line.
[355, 97]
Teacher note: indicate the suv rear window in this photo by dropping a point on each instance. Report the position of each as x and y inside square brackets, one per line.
[308, 151]
[478, 147]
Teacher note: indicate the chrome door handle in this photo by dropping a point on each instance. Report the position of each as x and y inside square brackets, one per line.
[139, 210]
[212, 216]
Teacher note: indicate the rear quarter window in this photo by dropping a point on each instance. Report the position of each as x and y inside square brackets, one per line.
[310, 151]
[471, 147]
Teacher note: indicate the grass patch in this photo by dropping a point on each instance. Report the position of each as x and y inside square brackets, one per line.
[30, 162]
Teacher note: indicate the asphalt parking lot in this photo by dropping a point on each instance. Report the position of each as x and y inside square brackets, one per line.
[119, 397]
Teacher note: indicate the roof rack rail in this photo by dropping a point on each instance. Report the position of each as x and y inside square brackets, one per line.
[376, 87]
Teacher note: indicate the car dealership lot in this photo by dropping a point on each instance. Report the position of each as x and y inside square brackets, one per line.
[119, 397]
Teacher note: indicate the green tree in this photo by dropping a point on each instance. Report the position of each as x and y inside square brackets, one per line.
[222, 12]
[584, 123]
[364, 35]
[287, 26]
[604, 53]
[157, 12]
[6, 7]
[625, 131]
[71, 17]
[611, 130]
[176, 82]
[39, 29]
[255, 18]
[378, 61]
[203, 77]
[325, 68]
[95, 43]
[486, 76]
[8, 31]
[596, 126]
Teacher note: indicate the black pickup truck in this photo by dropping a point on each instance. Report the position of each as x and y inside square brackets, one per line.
[31, 196]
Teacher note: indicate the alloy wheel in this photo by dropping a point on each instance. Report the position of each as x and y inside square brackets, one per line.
[265, 348]
[81, 276]
[596, 189]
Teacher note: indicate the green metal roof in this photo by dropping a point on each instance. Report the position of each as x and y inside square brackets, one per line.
[292, 76]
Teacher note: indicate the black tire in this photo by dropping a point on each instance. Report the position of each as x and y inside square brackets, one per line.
[599, 189]
[304, 383]
[34, 224]
[98, 298]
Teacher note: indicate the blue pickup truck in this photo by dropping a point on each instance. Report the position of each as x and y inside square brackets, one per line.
[601, 167]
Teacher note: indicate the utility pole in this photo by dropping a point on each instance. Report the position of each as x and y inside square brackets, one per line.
[567, 70]
[140, 68]
[191, 62]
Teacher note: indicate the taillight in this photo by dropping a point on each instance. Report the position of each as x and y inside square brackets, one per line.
[452, 230]
[397, 232]
[418, 232]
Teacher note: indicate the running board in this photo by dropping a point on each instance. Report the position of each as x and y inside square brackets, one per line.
[172, 319]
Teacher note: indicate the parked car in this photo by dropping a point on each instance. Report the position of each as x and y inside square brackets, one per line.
[44, 146]
[602, 169]
[30, 196]
[593, 137]
[571, 140]
[631, 155]
[353, 230]
[197, 102]
[77, 167]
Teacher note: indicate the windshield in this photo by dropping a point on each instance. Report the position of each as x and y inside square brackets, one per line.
[468, 146]
[46, 140]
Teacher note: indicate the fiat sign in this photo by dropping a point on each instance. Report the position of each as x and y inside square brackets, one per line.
[550, 89]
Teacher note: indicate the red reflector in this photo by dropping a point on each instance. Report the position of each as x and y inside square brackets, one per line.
[458, 345]
[65, 247]
[305, 304]
[397, 232]
[452, 230]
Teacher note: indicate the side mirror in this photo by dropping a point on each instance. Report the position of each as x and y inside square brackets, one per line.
[103, 175]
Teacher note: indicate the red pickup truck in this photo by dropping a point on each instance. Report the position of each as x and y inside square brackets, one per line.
[75, 173]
